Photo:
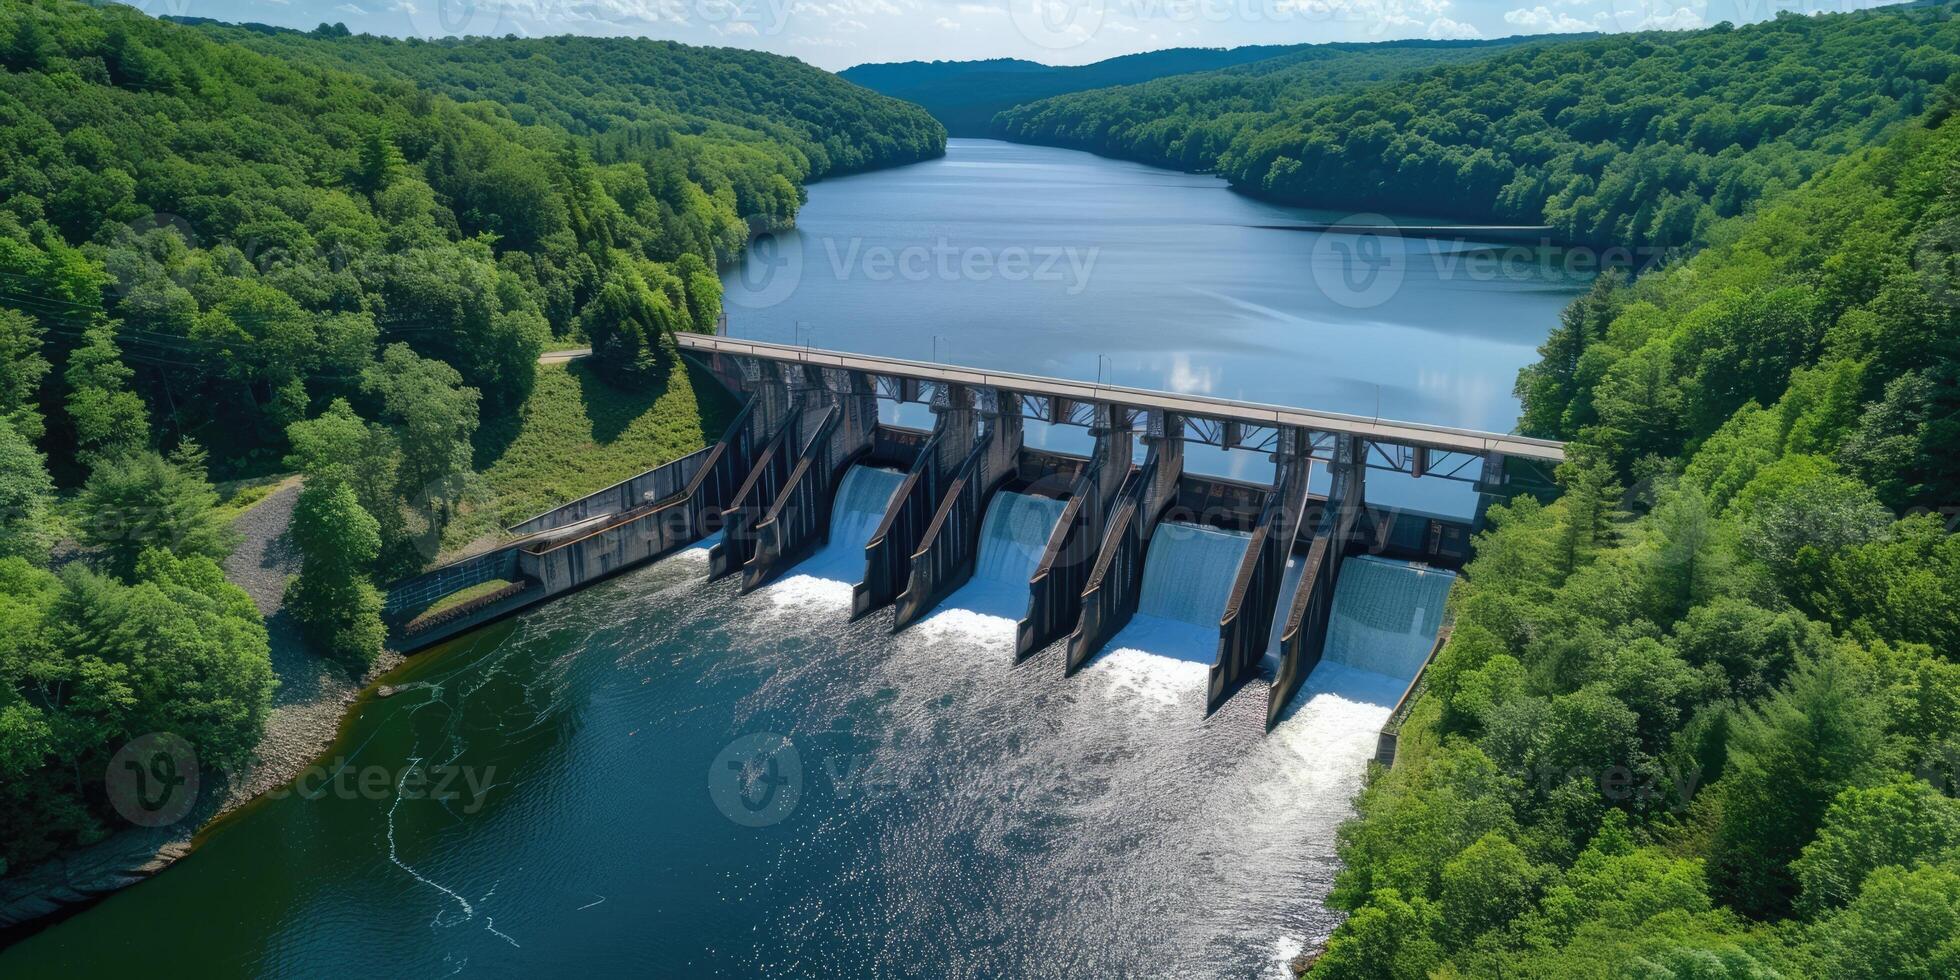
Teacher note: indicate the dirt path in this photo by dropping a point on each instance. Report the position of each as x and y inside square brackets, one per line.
[307, 707]
[564, 356]
[313, 693]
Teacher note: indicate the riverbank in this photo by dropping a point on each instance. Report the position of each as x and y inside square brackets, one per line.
[312, 698]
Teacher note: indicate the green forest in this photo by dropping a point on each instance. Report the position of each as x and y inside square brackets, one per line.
[1186, 121]
[1637, 141]
[1700, 716]
[965, 95]
[230, 252]
[1697, 717]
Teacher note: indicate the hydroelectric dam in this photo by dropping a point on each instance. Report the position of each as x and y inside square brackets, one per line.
[1121, 547]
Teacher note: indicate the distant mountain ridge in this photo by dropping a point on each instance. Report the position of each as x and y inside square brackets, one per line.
[965, 95]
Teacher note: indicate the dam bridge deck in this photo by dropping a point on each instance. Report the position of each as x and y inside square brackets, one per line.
[810, 418]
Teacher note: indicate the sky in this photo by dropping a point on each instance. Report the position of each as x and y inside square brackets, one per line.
[835, 34]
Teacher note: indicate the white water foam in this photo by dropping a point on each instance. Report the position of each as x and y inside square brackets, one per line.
[827, 577]
[1013, 537]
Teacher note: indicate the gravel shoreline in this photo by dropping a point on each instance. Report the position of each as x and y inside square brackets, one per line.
[312, 698]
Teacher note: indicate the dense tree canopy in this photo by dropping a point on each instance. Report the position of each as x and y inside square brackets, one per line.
[1705, 725]
[1630, 140]
[1187, 120]
[223, 248]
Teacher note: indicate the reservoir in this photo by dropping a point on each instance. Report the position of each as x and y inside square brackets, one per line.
[579, 789]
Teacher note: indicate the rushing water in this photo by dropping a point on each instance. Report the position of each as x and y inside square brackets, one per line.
[656, 776]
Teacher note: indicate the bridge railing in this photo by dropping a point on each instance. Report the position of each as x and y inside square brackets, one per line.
[1055, 591]
[799, 519]
[887, 556]
[648, 488]
[1110, 596]
[745, 508]
[415, 593]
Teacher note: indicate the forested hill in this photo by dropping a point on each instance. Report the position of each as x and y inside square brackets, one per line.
[1626, 140]
[1186, 121]
[624, 90]
[965, 95]
[1700, 716]
[233, 252]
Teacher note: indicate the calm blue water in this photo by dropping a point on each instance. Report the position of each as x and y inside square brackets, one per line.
[1057, 262]
[660, 777]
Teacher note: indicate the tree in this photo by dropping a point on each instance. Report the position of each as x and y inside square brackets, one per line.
[25, 495]
[21, 369]
[1903, 823]
[434, 416]
[337, 446]
[332, 597]
[110, 420]
[141, 502]
[1686, 562]
[180, 650]
[1486, 886]
[1547, 389]
[1591, 506]
[1787, 761]
[1905, 924]
[380, 161]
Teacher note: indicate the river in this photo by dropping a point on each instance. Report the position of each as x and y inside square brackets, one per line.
[580, 789]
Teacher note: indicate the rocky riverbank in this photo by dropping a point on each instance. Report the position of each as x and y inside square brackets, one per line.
[313, 696]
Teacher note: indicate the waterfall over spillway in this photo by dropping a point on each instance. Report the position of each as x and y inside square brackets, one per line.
[1014, 536]
[1189, 572]
[855, 513]
[862, 497]
[1165, 651]
[1385, 615]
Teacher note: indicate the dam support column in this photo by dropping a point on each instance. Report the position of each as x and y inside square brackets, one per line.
[839, 422]
[888, 555]
[1246, 628]
[945, 556]
[1340, 531]
[1055, 602]
[773, 420]
[1115, 584]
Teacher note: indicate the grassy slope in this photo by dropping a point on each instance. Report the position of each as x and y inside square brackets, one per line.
[578, 433]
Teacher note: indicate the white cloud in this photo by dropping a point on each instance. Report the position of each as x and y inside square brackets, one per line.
[1453, 30]
[947, 24]
[1542, 18]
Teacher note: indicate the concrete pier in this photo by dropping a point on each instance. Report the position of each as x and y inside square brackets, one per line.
[769, 485]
